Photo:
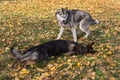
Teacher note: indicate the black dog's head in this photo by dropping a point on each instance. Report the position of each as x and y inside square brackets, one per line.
[90, 48]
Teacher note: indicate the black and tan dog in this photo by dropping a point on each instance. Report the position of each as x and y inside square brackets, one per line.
[52, 48]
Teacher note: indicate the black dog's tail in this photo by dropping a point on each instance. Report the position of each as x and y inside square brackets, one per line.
[17, 55]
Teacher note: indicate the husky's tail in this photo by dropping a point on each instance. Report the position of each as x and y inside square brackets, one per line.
[94, 22]
[16, 53]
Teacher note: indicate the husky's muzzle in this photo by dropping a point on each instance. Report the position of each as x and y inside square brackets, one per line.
[62, 19]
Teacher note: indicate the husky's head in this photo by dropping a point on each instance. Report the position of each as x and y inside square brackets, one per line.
[90, 48]
[62, 15]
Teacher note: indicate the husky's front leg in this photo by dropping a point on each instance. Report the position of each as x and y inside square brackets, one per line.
[74, 34]
[60, 33]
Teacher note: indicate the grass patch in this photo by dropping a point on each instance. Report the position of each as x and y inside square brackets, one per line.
[28, 23]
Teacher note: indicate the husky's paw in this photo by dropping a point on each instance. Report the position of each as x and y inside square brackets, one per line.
[57, 38]
[85, 37]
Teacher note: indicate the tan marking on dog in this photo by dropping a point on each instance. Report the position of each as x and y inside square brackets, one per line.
[71, 46]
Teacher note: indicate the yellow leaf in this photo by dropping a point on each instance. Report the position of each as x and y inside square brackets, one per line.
[39, 69]
[24, 71]
[46, 74]
[93, 75]
[112, 78]
[53, 68]
[78, 64]
[55, 21]
[113, 64]
[50, 66]
[104, 56]
[92, 64]
[16, 78]
[108, 46]
[109, 52]
[69, 60]
[88, 63]
[108, 59]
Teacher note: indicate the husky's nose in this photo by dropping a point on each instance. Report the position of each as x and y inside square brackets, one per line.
[64, 21]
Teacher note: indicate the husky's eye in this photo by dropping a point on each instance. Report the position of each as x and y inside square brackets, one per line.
[64, 15]
[58, 12]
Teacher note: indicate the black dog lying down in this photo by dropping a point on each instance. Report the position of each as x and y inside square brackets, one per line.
[52, 48]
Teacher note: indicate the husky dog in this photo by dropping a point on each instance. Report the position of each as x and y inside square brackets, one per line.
[74, 19]
[52, 48]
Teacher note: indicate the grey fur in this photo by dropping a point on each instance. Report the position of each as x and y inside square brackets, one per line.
[74, 19]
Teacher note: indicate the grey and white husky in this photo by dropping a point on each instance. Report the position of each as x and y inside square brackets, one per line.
[74, 19]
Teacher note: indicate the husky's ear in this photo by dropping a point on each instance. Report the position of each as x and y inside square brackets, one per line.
[64, 10]
[58, 11]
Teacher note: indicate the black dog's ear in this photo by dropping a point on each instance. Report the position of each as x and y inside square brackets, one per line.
[90, 48]
[90, 45]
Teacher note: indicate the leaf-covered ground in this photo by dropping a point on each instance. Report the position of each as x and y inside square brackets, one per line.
[32, 22]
